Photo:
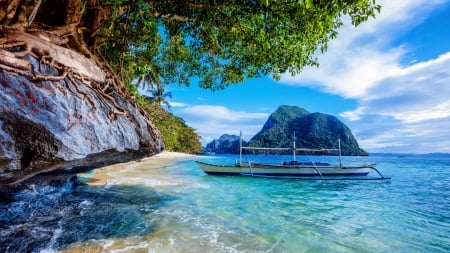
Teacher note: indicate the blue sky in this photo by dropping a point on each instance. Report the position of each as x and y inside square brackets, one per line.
[387, 79]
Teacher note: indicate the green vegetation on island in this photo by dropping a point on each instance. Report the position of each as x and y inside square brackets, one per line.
[312, 130]
[177, 136]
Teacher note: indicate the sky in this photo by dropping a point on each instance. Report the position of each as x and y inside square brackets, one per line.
[388, 80]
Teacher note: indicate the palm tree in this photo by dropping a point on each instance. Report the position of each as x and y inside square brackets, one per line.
[150, 79]
[158, 95]
[148, 76]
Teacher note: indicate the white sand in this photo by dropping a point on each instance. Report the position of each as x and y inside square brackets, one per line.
[113, 173]
[168, 154]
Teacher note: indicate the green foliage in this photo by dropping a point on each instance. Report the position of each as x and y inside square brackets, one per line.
[221, 42]
[159, 95]
[312, 130]
[215, 42]
[177, 136]
[130, 40]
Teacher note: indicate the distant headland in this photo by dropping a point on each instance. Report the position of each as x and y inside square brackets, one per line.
[312, 130]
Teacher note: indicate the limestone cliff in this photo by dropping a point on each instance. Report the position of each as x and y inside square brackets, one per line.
[226, 144]
[312, 130]
[56, 119]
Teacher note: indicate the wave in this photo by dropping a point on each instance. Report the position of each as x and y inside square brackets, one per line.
[50, 217]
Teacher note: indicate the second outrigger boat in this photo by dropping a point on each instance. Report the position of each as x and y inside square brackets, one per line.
[293, 169]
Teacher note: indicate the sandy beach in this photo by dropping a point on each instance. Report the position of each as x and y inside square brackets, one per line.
[108, 174]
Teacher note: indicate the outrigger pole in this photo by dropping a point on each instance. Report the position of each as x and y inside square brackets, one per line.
[240, 148]
[340, 158]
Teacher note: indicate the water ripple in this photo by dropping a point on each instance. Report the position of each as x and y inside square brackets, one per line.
[54, 217]
[179, 209]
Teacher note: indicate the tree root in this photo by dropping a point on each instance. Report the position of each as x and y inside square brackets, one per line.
[16, 48]
[85, 94]
[70, 58]
[45, 46]
[31, 76]
[63, 48]
[10, 59]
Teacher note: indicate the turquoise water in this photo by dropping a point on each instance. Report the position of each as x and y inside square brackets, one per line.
[180, 209]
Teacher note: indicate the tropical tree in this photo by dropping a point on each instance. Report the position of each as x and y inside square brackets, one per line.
[220, 42]
[158, 95]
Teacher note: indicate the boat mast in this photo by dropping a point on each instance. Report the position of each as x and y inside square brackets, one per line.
[295, 159]
[340, 159]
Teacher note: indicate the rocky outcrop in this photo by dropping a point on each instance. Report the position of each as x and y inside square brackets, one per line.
[312, 130]
[226, 144]
[53, 119]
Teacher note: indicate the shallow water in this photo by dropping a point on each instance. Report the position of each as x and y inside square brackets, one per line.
[177, 208]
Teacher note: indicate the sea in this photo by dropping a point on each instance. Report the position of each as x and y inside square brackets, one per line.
[178, 208]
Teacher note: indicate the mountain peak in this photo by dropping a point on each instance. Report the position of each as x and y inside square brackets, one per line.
[284, 114]
[312, 130]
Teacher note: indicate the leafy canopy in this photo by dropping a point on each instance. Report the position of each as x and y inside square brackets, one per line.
[221, 42]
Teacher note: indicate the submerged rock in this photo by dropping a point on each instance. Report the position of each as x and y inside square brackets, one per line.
[61, 124]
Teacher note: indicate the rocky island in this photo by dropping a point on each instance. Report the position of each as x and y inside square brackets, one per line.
[312, 130]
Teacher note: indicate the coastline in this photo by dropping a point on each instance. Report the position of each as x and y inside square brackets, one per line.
[105, 175]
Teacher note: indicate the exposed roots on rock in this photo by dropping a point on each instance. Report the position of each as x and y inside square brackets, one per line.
[18, 45]
[85, 94]
[62, 35]
[54, 45]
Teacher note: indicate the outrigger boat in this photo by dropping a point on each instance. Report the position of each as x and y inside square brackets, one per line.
[293, 169]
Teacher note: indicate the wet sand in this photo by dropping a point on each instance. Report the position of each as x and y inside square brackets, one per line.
[149, 172]
[110, 174]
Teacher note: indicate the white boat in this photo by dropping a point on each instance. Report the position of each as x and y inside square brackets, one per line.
[286, 170]
[293, 169]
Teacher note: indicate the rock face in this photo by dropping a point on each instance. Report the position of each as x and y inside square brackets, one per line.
[60, 124]
[312, 130]
[226, 144]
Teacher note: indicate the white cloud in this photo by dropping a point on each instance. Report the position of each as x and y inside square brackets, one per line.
[348, 73]
[394, 136]
[417, 93]
[360, 56]
[177, 104]
[213, 121]
[398, 105]
[221, 113]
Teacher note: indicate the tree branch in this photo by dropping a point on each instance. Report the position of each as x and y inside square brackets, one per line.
[201, 6]
[33, 13]
[172, 17]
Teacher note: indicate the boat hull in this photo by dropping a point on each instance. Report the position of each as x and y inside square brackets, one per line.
[211, 169]
[269, 170]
